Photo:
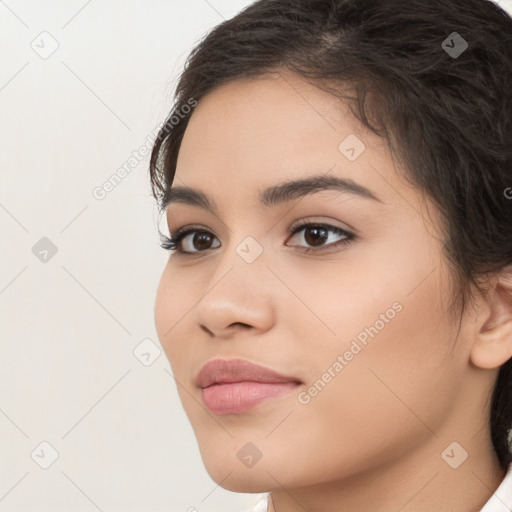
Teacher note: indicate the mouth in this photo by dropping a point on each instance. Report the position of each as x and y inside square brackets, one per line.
[232, 386]
[238, 397]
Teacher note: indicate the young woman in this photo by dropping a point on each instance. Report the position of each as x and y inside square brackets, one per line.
[336, 176]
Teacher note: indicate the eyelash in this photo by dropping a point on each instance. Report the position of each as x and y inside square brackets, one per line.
[173, 243]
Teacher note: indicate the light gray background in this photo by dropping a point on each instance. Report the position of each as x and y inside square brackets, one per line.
[69, 324]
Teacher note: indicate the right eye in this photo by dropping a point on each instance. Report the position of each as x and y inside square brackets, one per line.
[182, 241]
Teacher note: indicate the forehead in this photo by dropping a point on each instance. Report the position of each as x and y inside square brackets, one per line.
[278, 111]
[249, 134]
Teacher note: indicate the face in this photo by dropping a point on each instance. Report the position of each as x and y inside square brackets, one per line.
[354, 307]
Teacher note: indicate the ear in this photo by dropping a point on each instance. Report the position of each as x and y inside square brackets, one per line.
[493, 344]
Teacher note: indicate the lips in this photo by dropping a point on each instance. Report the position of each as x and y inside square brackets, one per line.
[234, 386]
[218, 371]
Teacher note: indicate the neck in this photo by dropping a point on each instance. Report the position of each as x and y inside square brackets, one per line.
[427, 485]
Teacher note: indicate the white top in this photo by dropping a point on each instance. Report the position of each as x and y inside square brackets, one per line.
[500, 501]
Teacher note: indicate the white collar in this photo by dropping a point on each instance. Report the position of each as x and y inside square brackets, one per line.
[261, 504]
[500, 501]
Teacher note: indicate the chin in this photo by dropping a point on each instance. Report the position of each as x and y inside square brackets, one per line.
[231, 474]
[243, 481]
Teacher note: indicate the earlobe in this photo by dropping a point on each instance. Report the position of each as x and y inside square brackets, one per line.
[493, 345]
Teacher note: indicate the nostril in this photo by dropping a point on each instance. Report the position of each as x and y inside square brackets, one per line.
[234, 324]
[242, 324]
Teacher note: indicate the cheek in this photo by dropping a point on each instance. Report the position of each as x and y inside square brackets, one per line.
[394, 334]
[171, 306]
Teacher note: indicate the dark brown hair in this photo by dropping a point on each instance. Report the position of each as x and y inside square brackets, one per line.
[444, 109]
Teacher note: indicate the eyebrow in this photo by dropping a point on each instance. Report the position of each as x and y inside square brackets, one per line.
[275, 194]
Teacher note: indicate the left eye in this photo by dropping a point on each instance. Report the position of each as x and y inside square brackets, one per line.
[318, 234]
[314, 234]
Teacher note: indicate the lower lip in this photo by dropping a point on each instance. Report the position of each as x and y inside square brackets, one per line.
[237, 397]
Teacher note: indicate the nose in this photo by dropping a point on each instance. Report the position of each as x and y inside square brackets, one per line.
[238, 300]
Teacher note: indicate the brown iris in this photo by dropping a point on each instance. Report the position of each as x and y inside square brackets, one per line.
[317, 234]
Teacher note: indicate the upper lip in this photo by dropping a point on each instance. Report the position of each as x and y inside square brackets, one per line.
[237, 370]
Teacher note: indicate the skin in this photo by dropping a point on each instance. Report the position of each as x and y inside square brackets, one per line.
[372, 439]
